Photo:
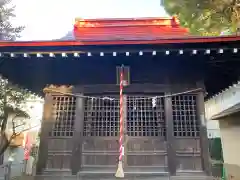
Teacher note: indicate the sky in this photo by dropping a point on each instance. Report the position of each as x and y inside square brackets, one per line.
[53, 19]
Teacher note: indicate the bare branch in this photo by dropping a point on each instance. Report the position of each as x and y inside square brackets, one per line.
[27, 129]
[5, 142]
[23, 124]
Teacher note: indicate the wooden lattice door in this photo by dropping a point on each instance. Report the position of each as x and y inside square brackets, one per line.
[145, 142]
[100, 134]
[146, 131]
[186, 127]
[60, 136]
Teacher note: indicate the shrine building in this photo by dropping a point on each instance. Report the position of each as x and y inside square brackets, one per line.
[167, 74]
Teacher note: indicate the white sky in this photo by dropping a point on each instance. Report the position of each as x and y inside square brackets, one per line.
[53, 19]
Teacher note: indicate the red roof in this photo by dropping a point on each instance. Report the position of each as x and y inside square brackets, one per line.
[128, 29]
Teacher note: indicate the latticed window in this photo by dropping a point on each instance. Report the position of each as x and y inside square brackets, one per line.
[101, 117]
[144, 118]
[185, 116]
[64, 115]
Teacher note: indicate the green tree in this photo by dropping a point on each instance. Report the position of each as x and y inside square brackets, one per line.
[206, 17]
[11, 102]
[7, 31]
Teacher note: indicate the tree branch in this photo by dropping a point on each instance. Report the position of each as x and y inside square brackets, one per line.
[11, 97]
[17, 134]
[5, 142]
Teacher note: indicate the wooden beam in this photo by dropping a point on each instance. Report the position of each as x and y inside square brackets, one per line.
[135, 88]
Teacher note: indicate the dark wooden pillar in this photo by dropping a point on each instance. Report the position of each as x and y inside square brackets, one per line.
[46, 127]
[78, 136]
[203, 132]
[169, 135]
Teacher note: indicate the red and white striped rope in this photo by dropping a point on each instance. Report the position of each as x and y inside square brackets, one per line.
[121, 149]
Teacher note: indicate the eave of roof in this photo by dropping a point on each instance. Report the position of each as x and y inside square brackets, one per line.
[224, 103]
[204, 47]
[228, 112]
[225, 92]
[122, 42]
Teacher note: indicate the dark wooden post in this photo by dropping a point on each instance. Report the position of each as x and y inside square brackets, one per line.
[45, 130]
[169, 134]
[203, 130]
[78, 136]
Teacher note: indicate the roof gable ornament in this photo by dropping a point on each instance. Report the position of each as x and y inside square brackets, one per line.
[58, 89]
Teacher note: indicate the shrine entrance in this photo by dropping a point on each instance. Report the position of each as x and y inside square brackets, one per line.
[144, 139]
[163, 129]
[148, 147]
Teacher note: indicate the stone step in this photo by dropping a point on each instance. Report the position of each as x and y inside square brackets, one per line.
[55, 177]
[102, 177]
[110, 175]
